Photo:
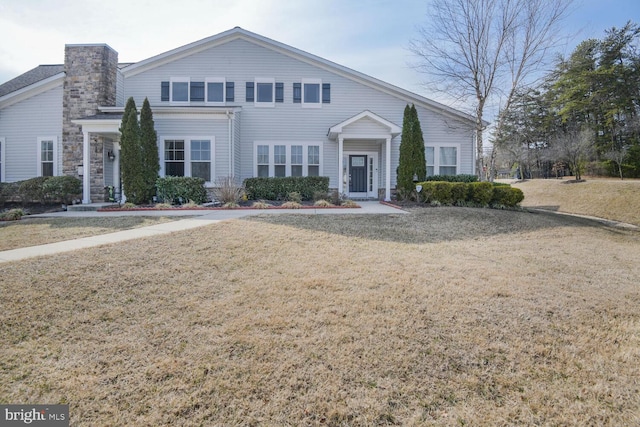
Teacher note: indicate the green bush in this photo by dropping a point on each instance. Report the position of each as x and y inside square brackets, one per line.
[506, 197]
[32, 190]
[480, 193]
[453, 178]
[465, 194]
[279, 188]
[181, 189]
[62, 189]
[11, 215]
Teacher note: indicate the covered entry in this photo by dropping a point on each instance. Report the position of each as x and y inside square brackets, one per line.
[364, 154]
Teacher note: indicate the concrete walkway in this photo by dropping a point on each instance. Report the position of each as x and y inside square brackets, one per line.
[194, 218]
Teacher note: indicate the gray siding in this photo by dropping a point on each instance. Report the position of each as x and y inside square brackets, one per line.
[21, 124]
[120, 89]
[241, 61]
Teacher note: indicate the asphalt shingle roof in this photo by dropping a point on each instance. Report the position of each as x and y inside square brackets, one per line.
[35, 75]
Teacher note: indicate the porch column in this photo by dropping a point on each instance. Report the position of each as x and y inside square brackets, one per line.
[86, 168]
[340, 165]
[387, 190]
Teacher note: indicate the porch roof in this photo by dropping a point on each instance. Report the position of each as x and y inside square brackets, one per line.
[393, 129]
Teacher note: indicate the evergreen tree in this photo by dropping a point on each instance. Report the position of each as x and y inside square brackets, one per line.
[131, 154]
[150, 164]
[412, 156]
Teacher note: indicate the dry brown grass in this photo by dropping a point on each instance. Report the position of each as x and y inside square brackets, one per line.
[39, 231]
[604, 198]
[334, 320]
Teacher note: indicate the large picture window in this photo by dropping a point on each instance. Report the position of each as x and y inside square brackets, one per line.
[277, 159]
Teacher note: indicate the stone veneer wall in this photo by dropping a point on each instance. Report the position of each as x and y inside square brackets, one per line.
[90, 82]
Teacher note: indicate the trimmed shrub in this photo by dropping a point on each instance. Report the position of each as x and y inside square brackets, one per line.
[442, 192]
[62, 189]
[181, 189]
[480, 193]
[459, 193]
[506, 196]
[32, 190]
[453, 178]
[279, 188]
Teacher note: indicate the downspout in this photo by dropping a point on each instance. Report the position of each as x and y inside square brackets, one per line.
[230, 143]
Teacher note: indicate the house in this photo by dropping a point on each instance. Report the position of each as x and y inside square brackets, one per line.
[234, 104]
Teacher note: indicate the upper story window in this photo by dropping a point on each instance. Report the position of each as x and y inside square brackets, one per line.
[264, 92]
[311, 93]
[183, 91]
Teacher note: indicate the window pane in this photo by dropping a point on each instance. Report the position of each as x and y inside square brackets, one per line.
[311, 92]
[174, 168]
[180, 91]
[296, 154]
[215, 92]
[200, 150]
[430, 171]
[429, 154]
[201, 170]
[448, 156]
[279, 170]
[265, 92]
[197, 91]
[47, 169]
[280, 154]
[263, 171]
[296, 170]
[314, 155]
[263, 154]
[448, 170]
[314, 171]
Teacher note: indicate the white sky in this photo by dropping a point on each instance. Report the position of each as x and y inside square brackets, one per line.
[370, 36]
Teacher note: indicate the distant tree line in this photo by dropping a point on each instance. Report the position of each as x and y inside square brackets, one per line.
[585, 114]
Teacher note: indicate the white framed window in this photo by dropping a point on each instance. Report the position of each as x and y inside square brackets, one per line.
[188, 156]
[311, 93]
[47, 156]
[2, 150]
[443, 159]
[264, 92]
[179, 90]
[276, 159]
[215, 90]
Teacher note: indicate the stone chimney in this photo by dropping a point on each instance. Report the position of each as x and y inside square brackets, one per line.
[90, 82]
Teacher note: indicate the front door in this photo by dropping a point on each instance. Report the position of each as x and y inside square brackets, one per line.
[358, 174]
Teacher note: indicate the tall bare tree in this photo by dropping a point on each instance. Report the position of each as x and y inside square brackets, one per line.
[485, 49]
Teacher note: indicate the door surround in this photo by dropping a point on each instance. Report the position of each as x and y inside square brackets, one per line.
[372, 174]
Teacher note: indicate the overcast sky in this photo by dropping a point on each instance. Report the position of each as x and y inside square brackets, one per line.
[370, 36]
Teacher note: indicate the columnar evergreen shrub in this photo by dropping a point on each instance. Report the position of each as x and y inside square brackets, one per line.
[150, 162]
[412, 161]
[131, 155]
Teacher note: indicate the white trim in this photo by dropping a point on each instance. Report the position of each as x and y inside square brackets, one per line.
[259, 104]
[3, 149]
[376, 173]
[173, 80]
[288, 144]
[206, 90]
[311, 104]
[394, 130]
[187, 153]
[54, 141]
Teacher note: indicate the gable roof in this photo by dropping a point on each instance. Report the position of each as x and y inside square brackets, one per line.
[41, 72]
[336, 130]
[239, 33]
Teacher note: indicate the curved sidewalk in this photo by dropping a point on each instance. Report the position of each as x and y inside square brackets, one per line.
[197, 218]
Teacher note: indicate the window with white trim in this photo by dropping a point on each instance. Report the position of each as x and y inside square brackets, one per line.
[277, 159]
[311, 91]
[442, 159]
[188, 157]
[179, 90]
[264, 95]
[47, 155]
[215, 91]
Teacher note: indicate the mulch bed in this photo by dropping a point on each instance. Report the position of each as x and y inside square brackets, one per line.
[243, 206]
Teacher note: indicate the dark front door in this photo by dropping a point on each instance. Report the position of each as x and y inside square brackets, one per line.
[358, 174]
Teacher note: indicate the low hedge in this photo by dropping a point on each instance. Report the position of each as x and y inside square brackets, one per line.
[470, 194]
[181, 189]
[280, 187]
[453, 178]
[42, 189]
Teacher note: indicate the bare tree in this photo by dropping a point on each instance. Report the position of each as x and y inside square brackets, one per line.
[617, 156]
[575, 148]
[480, 49]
